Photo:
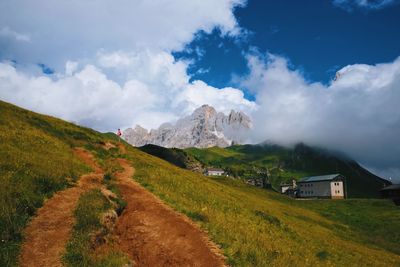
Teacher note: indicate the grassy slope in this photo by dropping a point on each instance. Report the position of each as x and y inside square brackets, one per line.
[36, 160]
[257, 227]
[285, 164]
[254, 227]
[174, 156]
[79, 250]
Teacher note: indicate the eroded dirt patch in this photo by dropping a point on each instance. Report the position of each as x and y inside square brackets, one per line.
[49, 231]
[153, 234]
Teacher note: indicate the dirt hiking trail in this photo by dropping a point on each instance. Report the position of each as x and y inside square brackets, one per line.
[148, 232]
[47, 234]
[152, 234]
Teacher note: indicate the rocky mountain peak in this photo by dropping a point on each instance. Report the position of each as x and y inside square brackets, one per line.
[204, 128]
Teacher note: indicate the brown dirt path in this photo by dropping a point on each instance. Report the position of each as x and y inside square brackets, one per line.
[152, 234]
[49, 231]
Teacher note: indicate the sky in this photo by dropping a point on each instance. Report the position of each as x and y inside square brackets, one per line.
[114, 64]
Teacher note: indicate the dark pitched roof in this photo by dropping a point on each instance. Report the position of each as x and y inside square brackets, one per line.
[392, 187]
[328, 177]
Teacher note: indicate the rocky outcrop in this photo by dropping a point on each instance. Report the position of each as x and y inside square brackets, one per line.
[204, 128]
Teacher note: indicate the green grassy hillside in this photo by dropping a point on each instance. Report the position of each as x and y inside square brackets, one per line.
[254, 227]
[258, 227]
[283, 164]
[175, 156]
[36, 160]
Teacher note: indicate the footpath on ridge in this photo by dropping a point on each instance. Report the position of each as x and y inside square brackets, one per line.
[149, 232]
[152, 234]
[48, 233]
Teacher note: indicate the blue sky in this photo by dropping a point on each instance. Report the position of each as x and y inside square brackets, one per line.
[317, 37]
[115, 64]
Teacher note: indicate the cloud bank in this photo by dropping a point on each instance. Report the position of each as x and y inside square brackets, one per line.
[349, 5]
[358, 113]
[110, 65]
[75, 30]
[153, 93]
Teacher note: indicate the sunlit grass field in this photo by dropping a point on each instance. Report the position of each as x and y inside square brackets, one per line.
[254, 227]
[36, 160]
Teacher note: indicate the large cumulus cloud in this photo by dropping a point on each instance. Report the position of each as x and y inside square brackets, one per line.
[358, 112]
[112, 61]
[156, 89]
[75, 30]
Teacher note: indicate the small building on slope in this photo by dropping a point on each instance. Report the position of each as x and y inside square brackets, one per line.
[215, 172]
[392, 192]
[289, 189]
[325, 186]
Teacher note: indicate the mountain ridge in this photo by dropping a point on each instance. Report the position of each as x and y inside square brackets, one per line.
[281, 163]
[205, 127]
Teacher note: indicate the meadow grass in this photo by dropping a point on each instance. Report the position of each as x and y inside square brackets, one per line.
[80, 250]
[36, 160]
[256, 227]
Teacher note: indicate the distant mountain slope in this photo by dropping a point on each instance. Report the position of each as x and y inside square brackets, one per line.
[283, 164]
[175, 156]
[204, 128]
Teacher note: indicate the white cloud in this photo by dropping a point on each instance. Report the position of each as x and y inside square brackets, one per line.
[77, 30]
[198, 93]
[113, 60]
[8, 33]
[71, 67]
[365, 4]
[358, 113]
[156, 89]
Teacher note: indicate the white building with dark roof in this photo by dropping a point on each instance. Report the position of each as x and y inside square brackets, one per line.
[325, 186]
[215, 172]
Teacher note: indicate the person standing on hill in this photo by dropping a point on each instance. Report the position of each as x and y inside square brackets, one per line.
[119, 133]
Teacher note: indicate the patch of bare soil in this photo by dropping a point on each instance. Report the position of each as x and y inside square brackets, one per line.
[152, 234]
[49, 231]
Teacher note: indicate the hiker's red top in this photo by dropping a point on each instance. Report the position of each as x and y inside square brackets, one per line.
[119, 132]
